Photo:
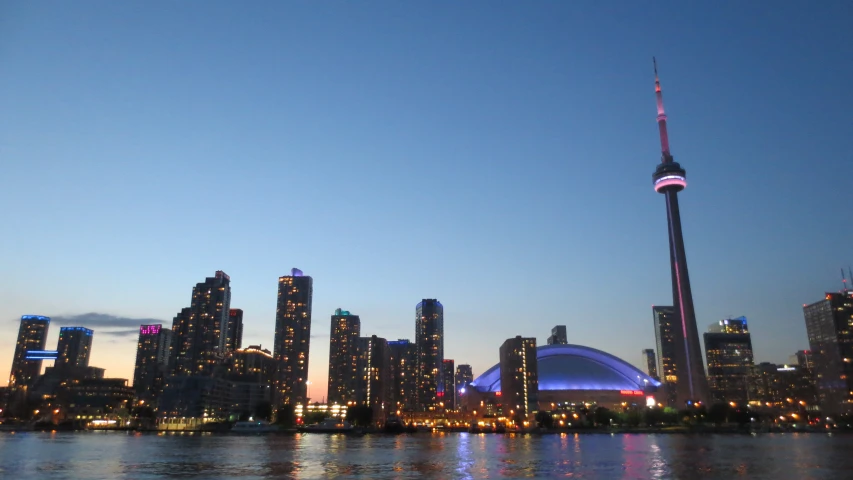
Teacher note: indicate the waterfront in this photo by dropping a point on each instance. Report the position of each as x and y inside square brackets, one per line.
[118, 455]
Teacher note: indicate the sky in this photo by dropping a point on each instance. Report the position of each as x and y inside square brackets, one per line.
[494, 155]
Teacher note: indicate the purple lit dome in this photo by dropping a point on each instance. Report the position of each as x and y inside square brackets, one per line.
[575, 367]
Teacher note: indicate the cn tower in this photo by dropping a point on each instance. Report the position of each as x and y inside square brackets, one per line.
[691, 385]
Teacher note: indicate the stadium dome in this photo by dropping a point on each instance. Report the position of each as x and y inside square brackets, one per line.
[575, 367]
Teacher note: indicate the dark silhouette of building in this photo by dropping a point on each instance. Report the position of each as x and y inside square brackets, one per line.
[376, 388]
[152, 361]
[199, 333]
[293, 336]
[728, 349]
[252, 372]
[448, 396]
[828, 323]
[32, 337]
[429, 338]
[781, 388]
[519, 377]
[343, 358]
[74, 347]
[464, 377]
[651, 362]
[666, 338]
[669, 178]
[234, 338]
[558, 336]
[404, 360]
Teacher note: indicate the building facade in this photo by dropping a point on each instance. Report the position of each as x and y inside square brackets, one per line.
[74, 347]
[519, 376]
[558, 336]
[200, 332]
[32, 336]
[152, 361]
[343, 357]
[464, 377]
[665, 338]
[234, 337]
[448, 374]
[728, 350]
[429, 338]
[650, 360]
[377, 380]
[293, 336]
[404, 373]
[829, 324]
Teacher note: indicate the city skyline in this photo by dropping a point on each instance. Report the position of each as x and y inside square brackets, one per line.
[509, 121]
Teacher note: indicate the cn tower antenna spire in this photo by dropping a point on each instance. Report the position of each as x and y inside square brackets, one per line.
[666, 157]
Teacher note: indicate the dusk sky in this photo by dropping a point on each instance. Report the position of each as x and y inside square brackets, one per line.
[494, 155]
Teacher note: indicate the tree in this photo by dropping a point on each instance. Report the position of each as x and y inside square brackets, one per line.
[284, 416]
[602, 416]
[263, 411]
[544, 420]
[360, 415]
[719, 413]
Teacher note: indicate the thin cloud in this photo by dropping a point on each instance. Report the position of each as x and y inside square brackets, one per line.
[95, 320]
[119, 333]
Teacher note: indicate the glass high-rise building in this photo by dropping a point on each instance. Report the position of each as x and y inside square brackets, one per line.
[519, 377]
[343, 358]
[404, 371]
[32, 336]
[666, 330]
[464, 377]
[152, 361]
[200, 332]
[234, 337]
[429, 338]
[651, 362]
[376, 389]
[728, 350]
[293, 336]
[74, 347]
[448, 373]
[558, 336]
[829, 324]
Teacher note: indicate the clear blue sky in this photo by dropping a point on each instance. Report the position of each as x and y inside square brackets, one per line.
[494, 155]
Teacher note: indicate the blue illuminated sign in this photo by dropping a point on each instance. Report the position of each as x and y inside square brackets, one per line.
[75, 329]
[41, 355]
[35, 317]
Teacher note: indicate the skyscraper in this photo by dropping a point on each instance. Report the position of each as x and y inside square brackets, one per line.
[32, 336]
[376, 386]
[200, 337]
[519, 377]
[404, 371]
[293, 336]
[448, 374]
[343, 358]
[464, 377]
[828, 324]
[152, 361]
[651, 362]
[74, 347]
[429, 337]
[558, 336]
[234, 337]
[669, 179]
[728, 348]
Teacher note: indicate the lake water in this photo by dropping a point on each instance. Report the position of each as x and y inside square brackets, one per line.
[118, 455]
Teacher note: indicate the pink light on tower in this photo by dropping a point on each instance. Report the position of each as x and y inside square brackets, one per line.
[149, 329]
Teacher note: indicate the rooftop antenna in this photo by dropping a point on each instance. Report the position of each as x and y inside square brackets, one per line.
[844, 279]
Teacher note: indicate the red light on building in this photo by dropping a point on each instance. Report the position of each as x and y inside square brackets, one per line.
[631, 392]
[439, 394]
[497, 394]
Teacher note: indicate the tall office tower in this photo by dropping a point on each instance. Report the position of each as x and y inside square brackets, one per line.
[200, 337]
[234, 338]
[665, 336]
[669, 179]
[293, 336]
[728, 348]
[558, 336]
[802, 359]
[73, 347]
[828, 323]
[519, 377]
[343, 358]
[152, 361]
[376, 389]
[32, 336]
[404, 371]
[448, 374]
[651, 362]
[429, 337]
[183, 336]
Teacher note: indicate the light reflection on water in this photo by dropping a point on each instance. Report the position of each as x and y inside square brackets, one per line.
[114, 455]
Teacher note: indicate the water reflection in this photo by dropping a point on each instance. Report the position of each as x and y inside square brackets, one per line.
[134, 456]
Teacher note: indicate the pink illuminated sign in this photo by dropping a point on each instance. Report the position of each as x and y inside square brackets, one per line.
[149, 329]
